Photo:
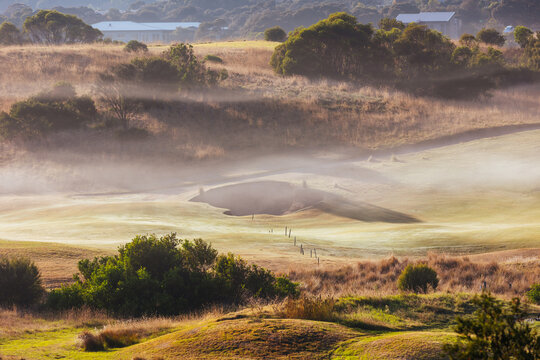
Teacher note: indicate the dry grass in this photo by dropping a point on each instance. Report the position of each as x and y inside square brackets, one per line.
[456, 274]
[14, 322]
[257, 109]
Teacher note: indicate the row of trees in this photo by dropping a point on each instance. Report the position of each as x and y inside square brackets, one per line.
[413, 57]
[49, 27]
[251, 18]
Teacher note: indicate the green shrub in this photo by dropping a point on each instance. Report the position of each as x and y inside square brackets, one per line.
[213, 58]
[496, 331]
[275, 34]
[9, 34]
[166, 276]
[534, 294]
[388, 24]
[135, 46]
[522, 35]
[418, 278]
[490, 37]
[54, 110]
[20, 282]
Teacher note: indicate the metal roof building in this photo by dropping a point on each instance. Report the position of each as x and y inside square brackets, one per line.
[145, 32]
[445, 22]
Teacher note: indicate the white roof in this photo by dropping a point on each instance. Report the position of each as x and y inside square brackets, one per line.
[424, 17]
[133, 26]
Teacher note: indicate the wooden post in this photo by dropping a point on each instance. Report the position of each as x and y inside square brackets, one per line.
[318, 261]
[295, 241]
[285, 231]
[310, 253]
[289, 232]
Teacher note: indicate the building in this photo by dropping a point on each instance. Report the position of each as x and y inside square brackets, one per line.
[445, 22]
[145, 32]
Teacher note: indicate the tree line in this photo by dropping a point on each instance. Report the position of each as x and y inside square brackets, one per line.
[411, 57]
[250, 17]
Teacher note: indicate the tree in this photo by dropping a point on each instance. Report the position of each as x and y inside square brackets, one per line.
[337, 47]
[496, 331]
[418, 278]
[490, 37]
[53, 27]
[517, 11]
[9, 34]
[118, 90]
[275, 34]
[20, 282]
[135, 46]
[523, 35]
[391, 23]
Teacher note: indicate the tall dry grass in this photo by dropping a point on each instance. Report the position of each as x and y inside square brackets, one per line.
[456, 274]
[257, 109]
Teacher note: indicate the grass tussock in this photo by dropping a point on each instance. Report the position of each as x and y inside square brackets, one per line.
[456, 274]
[308, 308]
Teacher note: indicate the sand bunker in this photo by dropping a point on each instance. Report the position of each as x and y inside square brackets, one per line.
[280, 198]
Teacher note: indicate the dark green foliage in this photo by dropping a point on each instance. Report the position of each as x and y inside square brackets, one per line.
[496, 331]
[534, 294]
[275, 34]
[388, 24]
[418, 278]
[522, 35]
[490, 37]
[336, 47]
[135, 46]
[53, 27]
[20, 282]
[467, 40]
[55, 110]
[167, 276]
[9, 34]
[213, 58]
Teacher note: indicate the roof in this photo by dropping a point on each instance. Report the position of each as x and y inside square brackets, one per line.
[133, 26]
[424, 17]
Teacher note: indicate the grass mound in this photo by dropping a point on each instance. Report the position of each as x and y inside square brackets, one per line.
[246, 338]
[393, 346]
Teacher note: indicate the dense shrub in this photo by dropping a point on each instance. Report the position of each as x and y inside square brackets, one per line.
[20, 282]
[135, 46]
[490, 37]
[9, 34]
[213, 58]
[53, 27]
[534, 294]
[166, 276]
[55, 110]
[388, 24]
[336, 47]
[275, 34]
[418, 278]
[496, 331]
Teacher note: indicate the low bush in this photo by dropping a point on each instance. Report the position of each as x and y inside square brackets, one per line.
[20, 283]
[54, 110]
[275, 34]
[213, 58]
[135, 46]
[496, 331]
[534, 294]
[418, 278]
[167, 276]
[91, 342]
